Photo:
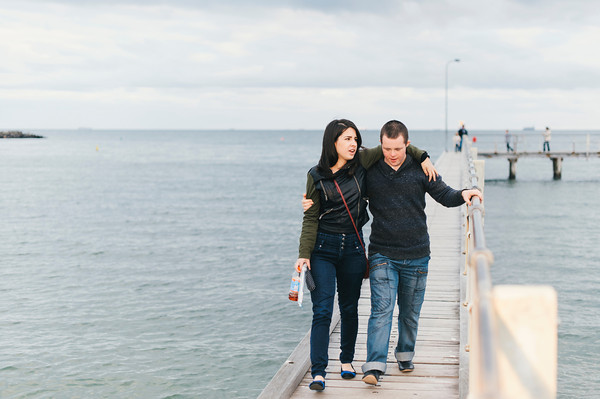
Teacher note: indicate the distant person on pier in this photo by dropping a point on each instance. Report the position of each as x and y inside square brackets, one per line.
[547, 136]
[331, 242]
[456, 141]
[462, 132]
[508, 139]
[399, 250]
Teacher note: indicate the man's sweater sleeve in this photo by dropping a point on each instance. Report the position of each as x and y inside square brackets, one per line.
[444, 194]
[310, 222]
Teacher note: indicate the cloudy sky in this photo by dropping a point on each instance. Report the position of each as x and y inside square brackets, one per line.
[185, 64]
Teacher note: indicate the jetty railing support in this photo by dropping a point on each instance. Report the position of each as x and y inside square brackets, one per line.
[512, 168]
[526, 323]
[556, 157]
[557, 167]
[512, 342]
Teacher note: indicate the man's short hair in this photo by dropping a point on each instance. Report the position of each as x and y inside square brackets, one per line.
[393, 129]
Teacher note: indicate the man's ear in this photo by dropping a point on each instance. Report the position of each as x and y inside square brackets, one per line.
[408, 143]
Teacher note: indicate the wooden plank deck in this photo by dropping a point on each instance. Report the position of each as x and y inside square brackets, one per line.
[437, 357]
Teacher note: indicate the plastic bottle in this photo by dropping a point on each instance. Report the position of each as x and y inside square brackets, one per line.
[294, 286]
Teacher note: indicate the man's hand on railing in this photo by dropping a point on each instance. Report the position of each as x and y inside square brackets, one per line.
[468, 194]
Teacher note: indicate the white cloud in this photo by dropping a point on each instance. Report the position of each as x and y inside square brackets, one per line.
[190, 64]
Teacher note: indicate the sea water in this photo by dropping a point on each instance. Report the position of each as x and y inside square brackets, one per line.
[156, 264]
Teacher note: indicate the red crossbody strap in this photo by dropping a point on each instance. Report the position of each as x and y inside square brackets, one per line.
[353, 224]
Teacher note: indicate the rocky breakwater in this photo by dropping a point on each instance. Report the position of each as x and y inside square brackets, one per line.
[19, 135]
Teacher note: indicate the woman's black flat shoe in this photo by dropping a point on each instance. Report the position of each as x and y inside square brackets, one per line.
[317, 385]
[347, 375]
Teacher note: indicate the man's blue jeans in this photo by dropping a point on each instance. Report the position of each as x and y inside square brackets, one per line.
[546, 146]
[335, 257]
[407, 279]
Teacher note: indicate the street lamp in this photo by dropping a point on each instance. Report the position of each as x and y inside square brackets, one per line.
[447, 65]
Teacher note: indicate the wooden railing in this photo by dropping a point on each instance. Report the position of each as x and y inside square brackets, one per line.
[512, 330]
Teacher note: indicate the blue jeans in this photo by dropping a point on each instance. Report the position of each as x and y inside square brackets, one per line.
[546, 146]
[407, 278]
[341, 257]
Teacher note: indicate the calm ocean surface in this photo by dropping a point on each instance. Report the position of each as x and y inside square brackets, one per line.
[156, 264]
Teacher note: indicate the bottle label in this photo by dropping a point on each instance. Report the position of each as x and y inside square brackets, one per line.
[294, 287]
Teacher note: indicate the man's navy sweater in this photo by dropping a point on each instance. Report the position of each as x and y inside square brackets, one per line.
[397, 203]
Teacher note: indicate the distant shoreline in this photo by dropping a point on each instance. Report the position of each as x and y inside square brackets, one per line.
[19, 135]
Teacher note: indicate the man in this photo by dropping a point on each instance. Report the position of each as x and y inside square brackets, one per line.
[456, 141]
[399, 247]
[508, 139]
[462, 132]
[547, 135]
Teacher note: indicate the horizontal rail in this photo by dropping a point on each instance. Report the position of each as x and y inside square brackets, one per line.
[553, 154]
[483, 368]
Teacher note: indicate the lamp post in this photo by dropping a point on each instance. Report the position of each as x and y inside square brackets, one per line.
[447, 65]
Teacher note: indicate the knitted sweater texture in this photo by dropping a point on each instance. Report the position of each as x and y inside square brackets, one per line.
[397, 203]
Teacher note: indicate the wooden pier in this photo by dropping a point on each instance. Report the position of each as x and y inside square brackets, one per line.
[440, 367]
[476, 340]
[555, 156]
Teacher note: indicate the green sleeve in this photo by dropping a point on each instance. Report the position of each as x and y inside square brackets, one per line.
[416, 153]
[369, 156]
[310, 222]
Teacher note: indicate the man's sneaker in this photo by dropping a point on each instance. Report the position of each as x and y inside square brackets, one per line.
[406, 367]
[372, 377]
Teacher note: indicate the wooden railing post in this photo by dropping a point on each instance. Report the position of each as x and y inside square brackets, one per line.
[526, 323]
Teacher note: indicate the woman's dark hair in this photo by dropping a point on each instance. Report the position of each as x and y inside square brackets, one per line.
[329, 155]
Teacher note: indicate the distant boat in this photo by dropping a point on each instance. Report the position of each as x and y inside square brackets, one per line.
[529, 128]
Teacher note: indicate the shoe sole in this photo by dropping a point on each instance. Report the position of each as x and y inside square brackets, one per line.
[407, 370]
[370, 379]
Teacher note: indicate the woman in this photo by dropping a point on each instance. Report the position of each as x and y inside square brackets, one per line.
[329, 244]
